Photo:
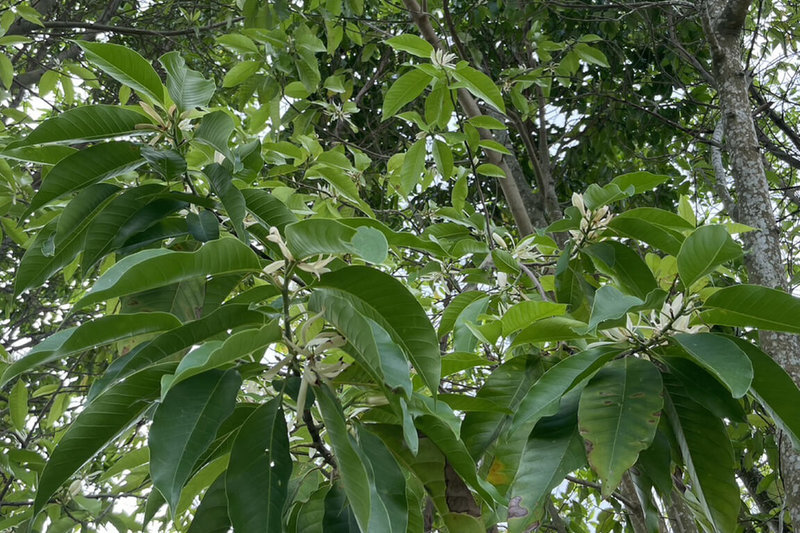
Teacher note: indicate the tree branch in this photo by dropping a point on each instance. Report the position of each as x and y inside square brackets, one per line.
[74, 25]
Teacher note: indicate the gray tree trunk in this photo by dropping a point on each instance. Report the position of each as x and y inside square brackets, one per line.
[723, 21]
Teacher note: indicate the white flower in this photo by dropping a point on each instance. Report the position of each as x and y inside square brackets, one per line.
[275, 236]
[318, 267]
[442, 59]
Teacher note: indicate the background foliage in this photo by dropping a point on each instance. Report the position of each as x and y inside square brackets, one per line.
[356, 265]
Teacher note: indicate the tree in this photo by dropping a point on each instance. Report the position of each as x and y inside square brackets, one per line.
[360, 266]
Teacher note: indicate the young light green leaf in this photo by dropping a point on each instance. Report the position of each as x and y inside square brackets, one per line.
[618, 415]
[703, 251]
[413, 167]
[412, 44]
[149, 269]
[370, 244]
[406, 88]
[481, 86]
[240, 72]
[488, 169]
[721, 357]
[486, 122]
[185, 424]
[260, 465]
[753, 306]
[187, 88]
[525, 313]
[85, 123]
[83, 168]
[125, 66]
[18, 404]
[96, 425]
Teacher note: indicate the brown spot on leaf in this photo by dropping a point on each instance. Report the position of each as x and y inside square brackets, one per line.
[515, 510]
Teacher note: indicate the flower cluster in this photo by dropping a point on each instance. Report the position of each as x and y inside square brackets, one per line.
[592, 220]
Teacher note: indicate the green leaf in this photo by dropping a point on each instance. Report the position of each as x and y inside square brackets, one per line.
[211, 515]
[703, 251]
[215, 129]
[259, 470]
[203, 226]
[221, 182]
[149, 269]
[413, 167]
[222, 319]
[543, 399]
[481, 86]
[721, 357]
[108, 415]
[168, 164]
[215, 354]
[702, 386]
[641, 181]
[775, 390]
[81, 169]
[375, 350]
[125, 66]
[455, 308]
[187, 88]
[488, 169]
[708, 456]
[506, 386]
[385, 300]
[184, 426]
[6, 71]
[406, 88]
[267, 209]
[552, 329]
[591, 55]
[493, 146]
[18, 405]
[370, 244]
[610, 304]
[616, 259]
[618, 416]
[525, 313]
[46, 155]
[85, 123]
[553, 450]
[658, 228]
[352, 471]
[412, 44]
[94, 333]
[240, 72]
[753, 306]
[486, 122]
[387, 485]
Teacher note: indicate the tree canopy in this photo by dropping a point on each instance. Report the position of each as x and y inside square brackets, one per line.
[363, 265]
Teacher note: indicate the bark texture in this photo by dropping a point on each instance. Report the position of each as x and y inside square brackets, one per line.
[723, 21]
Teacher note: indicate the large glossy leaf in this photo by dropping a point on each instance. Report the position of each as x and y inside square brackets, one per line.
[387, 485]
[222, 184]
[507, 386]
[708, 456]
[227, 317]
[184, 426]
[76, 171]
[125, 66]
[375, 350]
[439, 423]
[385, 300]
[94, 333]
[338, 515]
[403, 90]
[212, 513]
[412, 44]
[100, 421]
[610, 304]
[553, 450]
[620, 261]
[129, 214]
[454, 309]
[259, 471]
[352, 472]
[753, 306]
[187, 88]
[149, 269]
[183, 299]
[703, 251]
[721, 357]
[480, 85]
[543, 399]
[702, 386]
[658, 228]
[775, 390]
[215, 354]
[557, 328]
[619, 412]
[267, 209]
[526, 313]
[46, 155]
[85, 123]
[215, 129]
